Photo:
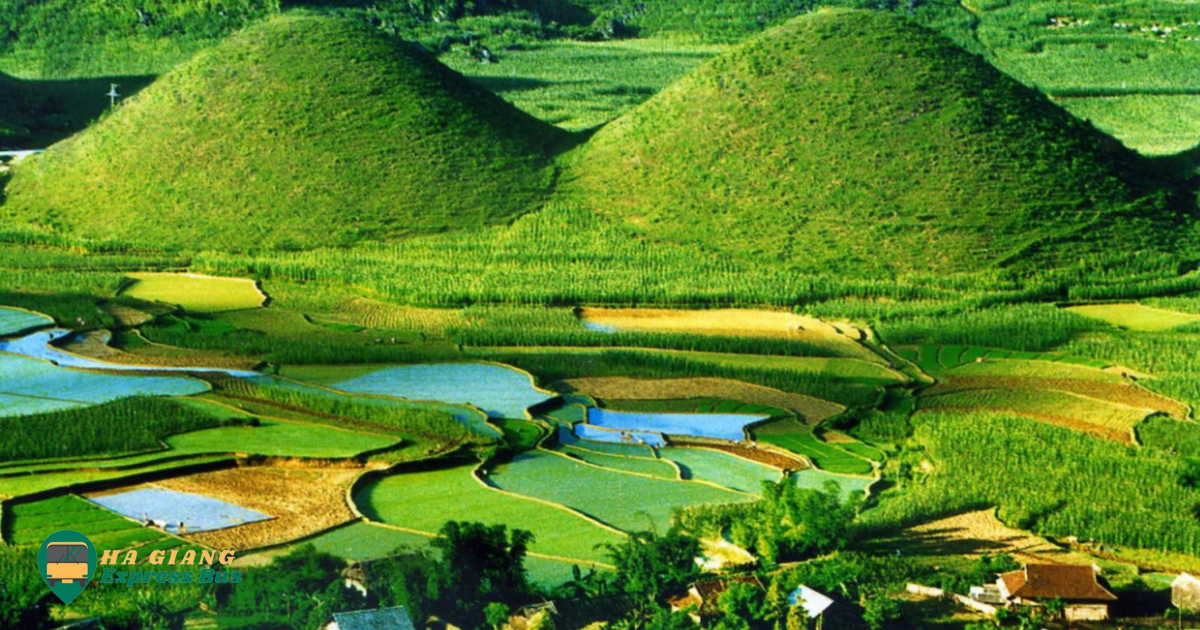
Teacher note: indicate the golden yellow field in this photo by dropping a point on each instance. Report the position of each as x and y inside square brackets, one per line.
[1137, 317]
[195, 292]
[841, 338]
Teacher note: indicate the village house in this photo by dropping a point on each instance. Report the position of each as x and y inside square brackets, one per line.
[813, 603]
[1185, 593]
[1078, 587]
[703, 598]
[395, 618]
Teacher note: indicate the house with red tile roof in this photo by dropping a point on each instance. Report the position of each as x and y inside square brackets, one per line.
[1078, 587]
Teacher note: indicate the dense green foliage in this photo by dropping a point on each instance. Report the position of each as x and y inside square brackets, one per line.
[299, 590]
[21, 591]
[788, 523]
[129, 424]
[1018, 327]
[1171, 435]
[391, 417]
[346, 135]
[899, 153]
[479, 567]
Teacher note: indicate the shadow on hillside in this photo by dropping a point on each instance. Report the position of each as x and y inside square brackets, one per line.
[52, 110]
[500, 84]
[1184, 165]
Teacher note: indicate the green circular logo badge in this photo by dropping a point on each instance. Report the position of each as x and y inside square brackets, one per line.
[68, 561]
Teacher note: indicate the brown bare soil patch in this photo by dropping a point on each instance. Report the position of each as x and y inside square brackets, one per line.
[1125, 393]
[812, 410]
[978, 533]
[301, 501]
[769, 456]
[839, 337]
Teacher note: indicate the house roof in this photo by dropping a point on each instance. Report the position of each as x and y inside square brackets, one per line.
[1049, 581]
[811, 601]
[706, 594]
[383, 619]
[1186, 580]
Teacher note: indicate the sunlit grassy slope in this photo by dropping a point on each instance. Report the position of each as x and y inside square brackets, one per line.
[297, 132]
[862, 140]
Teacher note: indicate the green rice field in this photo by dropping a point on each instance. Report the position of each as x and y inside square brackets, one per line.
[722, 469]
[799, 438]
[627, 502]
[422, 501]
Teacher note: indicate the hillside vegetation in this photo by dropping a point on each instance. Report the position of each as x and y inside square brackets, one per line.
[297, 132]
[860, 138]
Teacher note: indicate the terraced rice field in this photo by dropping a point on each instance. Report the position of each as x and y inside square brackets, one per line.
[30, 523]
[194, 292]
[937, 359]
[841, 339]
[566, 436]
[21, 485]
[473, 418]
[721, 426]
[618, 388]
[792, 435]
[500, 391]
[176, 512]
[640, 465]
[283, 439]
[619, 436]
[1117, 390]
[628, 502]
[423, 501]
[300, 501]
[722, 469]
[1136, 317]
[1105, 419]
[14, 321]
[32, 386]
[381, 315]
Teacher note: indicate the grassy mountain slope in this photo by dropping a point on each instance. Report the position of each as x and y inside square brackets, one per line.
[297, 132]
[861, 139]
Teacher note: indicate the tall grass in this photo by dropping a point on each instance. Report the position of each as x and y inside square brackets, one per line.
[126, 425]
[1048, 479]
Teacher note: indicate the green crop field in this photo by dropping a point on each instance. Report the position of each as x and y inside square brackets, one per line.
[282, 439]
[1136, 316]
[628, 502]
[198, 294]
[424, 500]
[799, 438]
[722, 469]
[621, 463]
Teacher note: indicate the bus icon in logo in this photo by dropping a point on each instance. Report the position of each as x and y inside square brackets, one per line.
[67, 560]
